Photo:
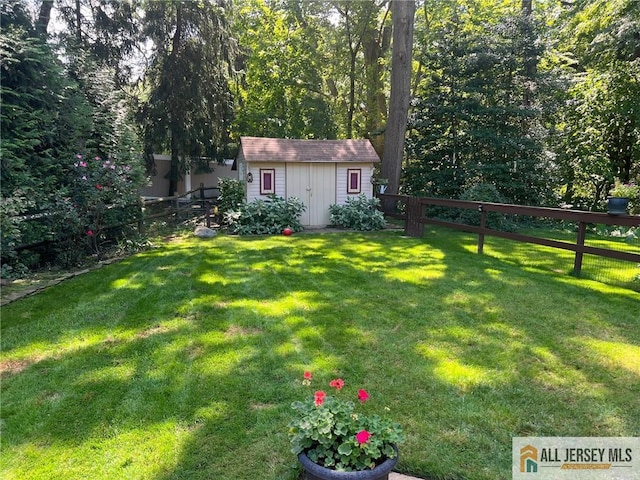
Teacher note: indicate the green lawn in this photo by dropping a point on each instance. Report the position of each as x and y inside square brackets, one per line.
[182, 362]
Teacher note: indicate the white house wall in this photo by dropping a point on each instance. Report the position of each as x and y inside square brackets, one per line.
[159, 183]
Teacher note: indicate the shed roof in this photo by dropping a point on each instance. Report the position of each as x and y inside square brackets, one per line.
[261, 149]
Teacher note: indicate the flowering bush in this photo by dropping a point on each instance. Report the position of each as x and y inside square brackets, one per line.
[625, 190]
[332, 435]
[104, 193]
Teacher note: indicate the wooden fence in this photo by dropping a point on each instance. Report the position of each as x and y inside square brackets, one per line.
[205, 204]
[415, 219]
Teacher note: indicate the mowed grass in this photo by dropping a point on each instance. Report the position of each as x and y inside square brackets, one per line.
[182, 362]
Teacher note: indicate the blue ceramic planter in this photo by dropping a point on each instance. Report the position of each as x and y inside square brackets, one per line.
[617, 205]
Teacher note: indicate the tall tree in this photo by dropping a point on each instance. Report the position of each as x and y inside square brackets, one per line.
[599, 127]
[189, 103]
[403, 14]
[280, 93]
[470, 124]
[106, 31]
[356, 22]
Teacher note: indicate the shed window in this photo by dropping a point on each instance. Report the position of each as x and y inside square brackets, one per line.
[354, 176]
[267, 181]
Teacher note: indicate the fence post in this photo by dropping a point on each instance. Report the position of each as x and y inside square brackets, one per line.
[141, 217]
[413, 226]
[483, 225]
[202, 196]
[577, 263]
[207, 214]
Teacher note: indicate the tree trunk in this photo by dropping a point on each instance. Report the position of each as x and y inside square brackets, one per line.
[78, 23]
[403, 20]
[352, 93]
[530, 55]
[174, 172]
[44, 16]
[374, 48]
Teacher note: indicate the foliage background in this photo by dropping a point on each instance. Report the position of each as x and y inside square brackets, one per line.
[537, 98]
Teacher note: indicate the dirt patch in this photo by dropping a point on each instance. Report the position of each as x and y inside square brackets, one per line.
[152, 331]
[13, 367]
[238, 331]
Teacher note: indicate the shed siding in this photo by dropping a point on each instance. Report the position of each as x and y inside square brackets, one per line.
[253, 188]
[341, 181]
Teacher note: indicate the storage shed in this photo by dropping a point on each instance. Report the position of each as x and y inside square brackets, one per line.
[318, 172]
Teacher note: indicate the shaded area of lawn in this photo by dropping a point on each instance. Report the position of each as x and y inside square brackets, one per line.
[181, 363]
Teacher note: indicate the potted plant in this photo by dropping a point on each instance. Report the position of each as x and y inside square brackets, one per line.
[620, 195]
[333, 441]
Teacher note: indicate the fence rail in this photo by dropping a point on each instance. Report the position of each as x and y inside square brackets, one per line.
[415, 219]
[205, 203]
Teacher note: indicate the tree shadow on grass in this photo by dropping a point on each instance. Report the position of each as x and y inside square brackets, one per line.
[201, 348]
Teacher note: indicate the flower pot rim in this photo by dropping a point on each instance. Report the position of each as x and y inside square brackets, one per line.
[327, 473]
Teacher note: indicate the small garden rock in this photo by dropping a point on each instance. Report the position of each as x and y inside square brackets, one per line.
[204, 232]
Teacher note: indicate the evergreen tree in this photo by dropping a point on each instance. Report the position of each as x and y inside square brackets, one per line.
[475, 120]
[188, 104]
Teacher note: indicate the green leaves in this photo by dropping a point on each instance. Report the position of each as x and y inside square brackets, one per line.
[358, 213]
[261, 217]
[327, 434]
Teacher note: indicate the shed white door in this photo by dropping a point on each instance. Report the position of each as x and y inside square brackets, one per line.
[315, 185]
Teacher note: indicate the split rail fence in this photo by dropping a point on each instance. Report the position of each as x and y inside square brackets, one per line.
[202, 203]
[413, 214]
[194, 202]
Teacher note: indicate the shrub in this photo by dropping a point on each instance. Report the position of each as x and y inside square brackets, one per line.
[358, 213]
[484, 192]
[103, 196]
[231, 194]
[269, 216]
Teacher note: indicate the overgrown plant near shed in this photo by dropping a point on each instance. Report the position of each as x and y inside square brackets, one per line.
[231, 194]
[358, 213]
[260, 217]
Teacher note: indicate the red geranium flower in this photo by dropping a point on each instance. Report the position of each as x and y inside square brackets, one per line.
[307, 375]
[319, 397]
[338, 383]
[363, 396]
[363, 436]
[90, 233]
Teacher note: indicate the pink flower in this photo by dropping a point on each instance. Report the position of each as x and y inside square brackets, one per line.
[113, 167]
[307, 375]
[363, 436]
[363, 396]
[99, 187]
[78, 156]
[319, 397]
[84, 177]
[338, 383]
[90, 233]
[97, 159]
[83, 164]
